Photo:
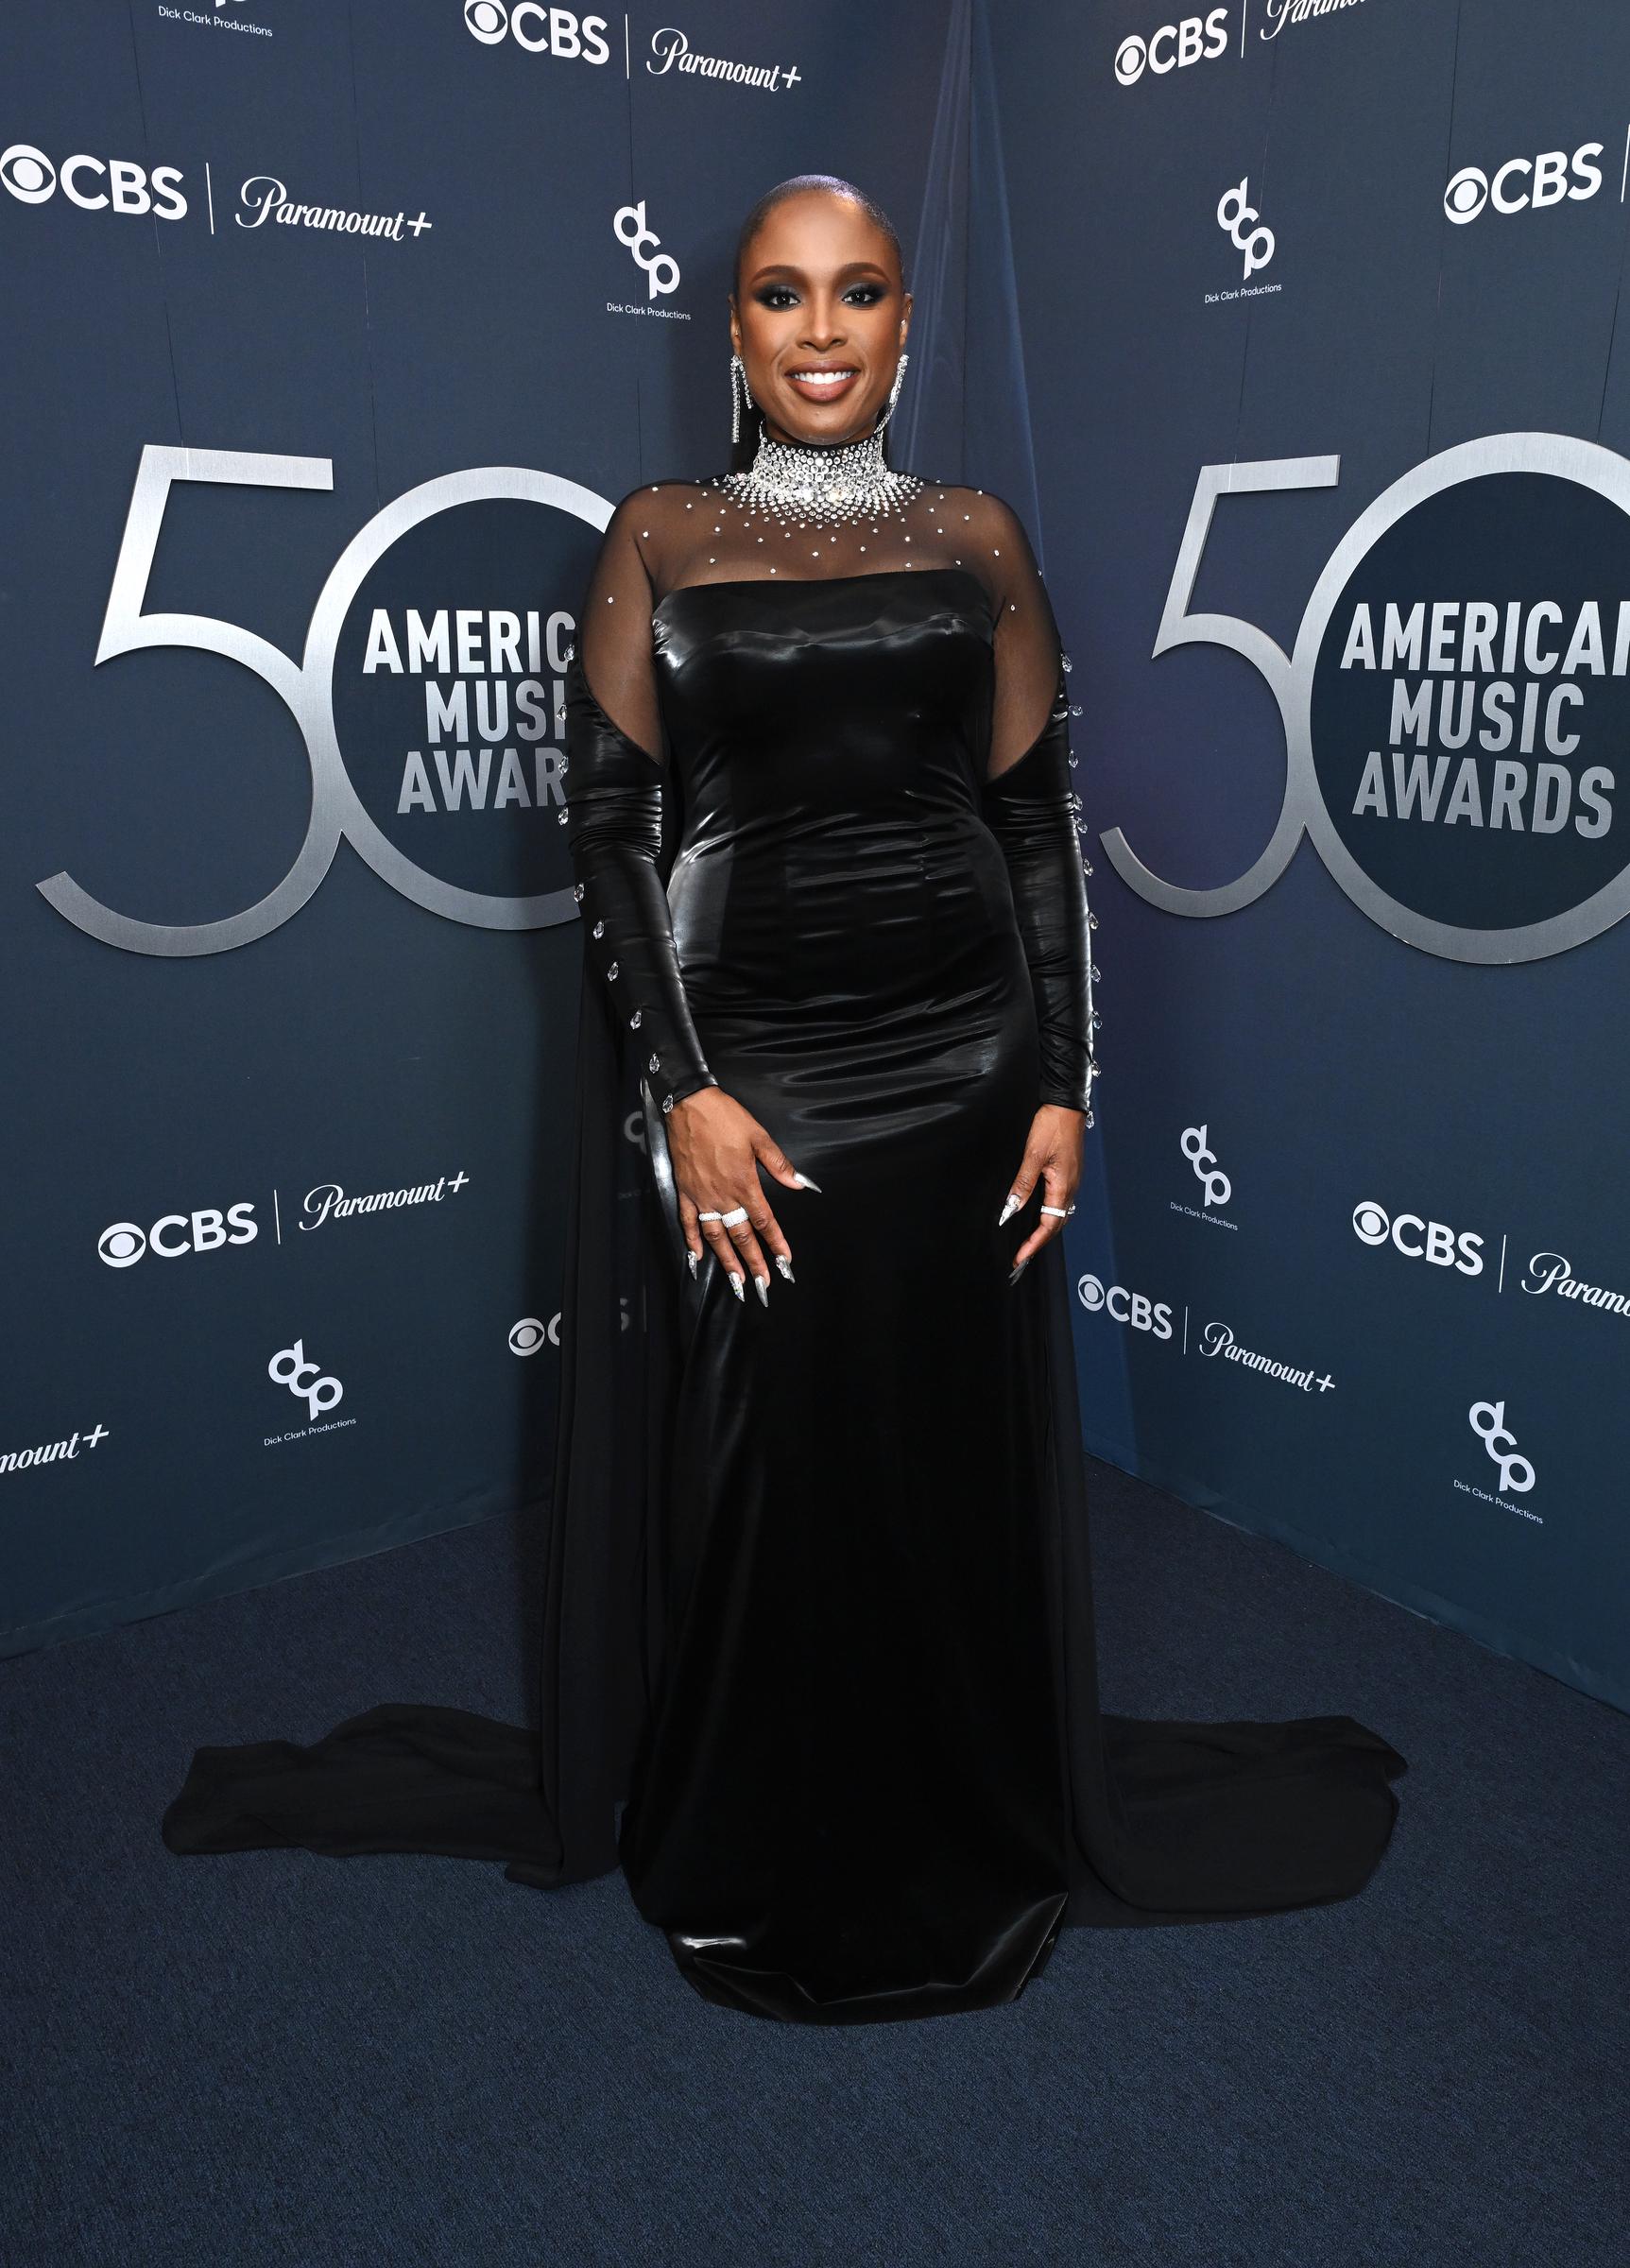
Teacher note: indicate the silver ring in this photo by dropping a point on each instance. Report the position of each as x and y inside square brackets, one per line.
[709, 1216]
[728, 1220]
[1058, 1212]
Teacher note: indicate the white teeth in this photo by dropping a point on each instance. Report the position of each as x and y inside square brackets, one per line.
[821, 378]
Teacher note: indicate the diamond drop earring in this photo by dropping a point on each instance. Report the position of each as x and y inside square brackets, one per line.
[739, 395]
[893, 393]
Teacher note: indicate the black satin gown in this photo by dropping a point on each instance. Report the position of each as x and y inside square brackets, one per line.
[819, 1602]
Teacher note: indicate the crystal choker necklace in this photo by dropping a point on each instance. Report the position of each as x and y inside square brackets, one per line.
[809, 484]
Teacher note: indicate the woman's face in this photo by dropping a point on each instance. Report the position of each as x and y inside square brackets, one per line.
[819, 318]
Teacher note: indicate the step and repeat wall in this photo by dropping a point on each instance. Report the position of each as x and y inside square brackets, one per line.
[335, 328]
[1328, 383]
[1291, 329]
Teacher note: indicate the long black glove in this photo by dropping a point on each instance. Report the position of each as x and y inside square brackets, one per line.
[1030, 808]
[614, 830]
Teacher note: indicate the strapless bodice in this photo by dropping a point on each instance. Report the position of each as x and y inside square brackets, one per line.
[789, 704]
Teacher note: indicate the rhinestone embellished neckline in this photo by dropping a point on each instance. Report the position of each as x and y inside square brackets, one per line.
[809, 484]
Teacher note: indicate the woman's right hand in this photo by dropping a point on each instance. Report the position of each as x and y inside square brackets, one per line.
[716, 1147]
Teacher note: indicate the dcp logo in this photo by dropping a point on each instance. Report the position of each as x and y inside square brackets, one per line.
[123, 1244]
[1525, 184]
[288, 1368]
[1419, 1239]
[1487, 1421]
[1217, 1188]
[1258, 245]
[1197, 38]
[661, 273]
[94, 184]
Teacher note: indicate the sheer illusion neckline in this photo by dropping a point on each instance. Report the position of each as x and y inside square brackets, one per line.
[825, 582]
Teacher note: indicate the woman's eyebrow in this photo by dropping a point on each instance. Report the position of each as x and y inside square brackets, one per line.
[787, 267]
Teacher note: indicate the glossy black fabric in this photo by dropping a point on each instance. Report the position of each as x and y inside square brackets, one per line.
[819, 1599]
[853, 1797]
[1030, 808]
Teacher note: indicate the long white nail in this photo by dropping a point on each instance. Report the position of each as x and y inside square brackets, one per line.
[785, 1266]
[803, 1182]
[690, 1260]
[1014, 1202]
[763, 1290]
[1018, 1272]
[738, 1285]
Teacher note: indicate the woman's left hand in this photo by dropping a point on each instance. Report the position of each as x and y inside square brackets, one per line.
[1052, 1157]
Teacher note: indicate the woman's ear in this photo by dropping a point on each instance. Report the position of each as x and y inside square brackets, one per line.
[736, 326]
[905, 316]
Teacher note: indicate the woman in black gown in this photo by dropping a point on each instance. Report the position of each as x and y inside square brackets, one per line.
[818, 1602]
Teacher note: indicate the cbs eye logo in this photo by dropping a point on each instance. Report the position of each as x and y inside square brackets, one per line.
[1134, 1309]
[540, 30]
[94, 184]
[124, 1242]
[1417, 1238]
[28, 173]
[1525, 184]
[1197, 38]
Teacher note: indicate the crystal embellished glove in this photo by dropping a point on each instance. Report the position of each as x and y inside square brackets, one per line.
[1031, 809]
[614, 830]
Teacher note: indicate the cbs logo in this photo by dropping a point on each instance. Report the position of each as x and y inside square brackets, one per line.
[32, 178]
[1131, 1308]
[1546, 184]
[540, 30]
[1198, 38]
[206, 1230]
[1417, 1239]
[530, 1336]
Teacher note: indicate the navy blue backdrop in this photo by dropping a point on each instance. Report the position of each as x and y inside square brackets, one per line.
[1291, 331]
[1328, 380]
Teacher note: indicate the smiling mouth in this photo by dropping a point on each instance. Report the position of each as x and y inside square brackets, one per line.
[823, 384]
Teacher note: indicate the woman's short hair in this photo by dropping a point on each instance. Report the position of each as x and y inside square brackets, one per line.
[799, 184]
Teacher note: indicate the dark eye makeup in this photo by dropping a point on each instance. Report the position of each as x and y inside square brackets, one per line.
[780, 296]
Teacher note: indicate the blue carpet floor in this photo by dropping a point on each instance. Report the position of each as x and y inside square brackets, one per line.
[273, 2058]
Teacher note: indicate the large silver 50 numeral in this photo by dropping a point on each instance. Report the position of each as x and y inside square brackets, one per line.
[1560, 457]
[1180, 627]
[307, 691]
